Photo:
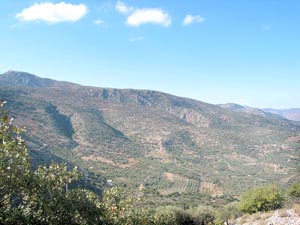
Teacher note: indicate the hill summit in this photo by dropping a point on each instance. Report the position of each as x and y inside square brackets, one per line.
[13, 78]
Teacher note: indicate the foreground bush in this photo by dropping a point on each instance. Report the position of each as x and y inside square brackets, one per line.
[262, 199]
[171, 215]
[202, 215]
[227, 214]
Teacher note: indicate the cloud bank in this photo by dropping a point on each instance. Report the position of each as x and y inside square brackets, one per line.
[189, 19]
[53, 13]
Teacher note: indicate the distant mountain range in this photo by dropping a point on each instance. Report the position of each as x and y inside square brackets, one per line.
[156, 145]
[290, 114]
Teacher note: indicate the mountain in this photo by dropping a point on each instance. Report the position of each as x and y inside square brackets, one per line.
[291, 114]
[250, 110]
[244, 109]
[20, 79]
[168, 149]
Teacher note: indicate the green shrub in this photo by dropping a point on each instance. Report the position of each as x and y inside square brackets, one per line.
[41, 196]
[294, 191]
[227, 213]
[202, 215]
[171, 215]
[261, 199]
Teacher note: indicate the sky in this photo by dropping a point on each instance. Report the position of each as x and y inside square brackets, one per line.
[238, 51]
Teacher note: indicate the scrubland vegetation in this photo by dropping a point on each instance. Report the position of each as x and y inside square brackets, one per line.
[52, 195]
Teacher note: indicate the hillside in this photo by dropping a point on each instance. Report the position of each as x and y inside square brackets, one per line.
[291, 114]
[164, 147]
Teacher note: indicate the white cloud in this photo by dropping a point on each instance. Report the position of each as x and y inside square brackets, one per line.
[98, 22]
[137, 17]
[189, 19]
[123, 8]
[136, 39]
[144, 16]
[53, 13]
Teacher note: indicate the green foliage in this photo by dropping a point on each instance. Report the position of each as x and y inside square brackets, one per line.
[262, 199]
[14, 166]
[119, 210]
[293, 191]
[171, 215]
[43, 196]
[227, 213]
[202, 215]
[51, 200]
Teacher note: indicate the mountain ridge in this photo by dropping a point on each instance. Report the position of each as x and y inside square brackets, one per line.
[156, 144]
[13, 78]
[291, 114]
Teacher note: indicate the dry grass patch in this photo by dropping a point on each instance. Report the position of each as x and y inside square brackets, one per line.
[170, 176]
[283, 213]
[296, 208]
[210, 188]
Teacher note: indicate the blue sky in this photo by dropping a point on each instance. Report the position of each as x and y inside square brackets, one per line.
[242, 51]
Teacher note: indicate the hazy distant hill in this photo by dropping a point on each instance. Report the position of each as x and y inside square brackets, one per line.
[153, 143]
[244, 109]
[291, 114]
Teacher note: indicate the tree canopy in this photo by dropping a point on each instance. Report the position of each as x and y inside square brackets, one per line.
[264, 198]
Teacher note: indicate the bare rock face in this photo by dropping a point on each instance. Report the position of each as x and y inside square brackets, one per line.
[284, 217]
[194, 117]
[278, 217]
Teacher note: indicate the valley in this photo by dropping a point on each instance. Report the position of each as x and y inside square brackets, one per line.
[157, 146]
